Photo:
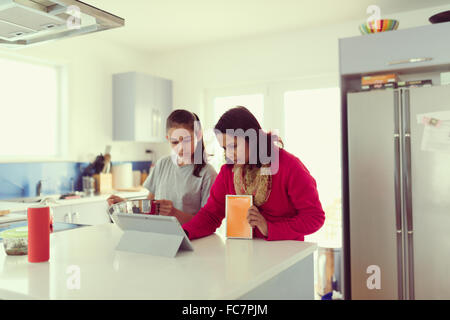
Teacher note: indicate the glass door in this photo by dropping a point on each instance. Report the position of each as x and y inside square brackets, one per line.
[312, 133]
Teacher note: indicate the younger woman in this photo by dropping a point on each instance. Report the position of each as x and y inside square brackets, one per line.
[286, 202]
[181, 182]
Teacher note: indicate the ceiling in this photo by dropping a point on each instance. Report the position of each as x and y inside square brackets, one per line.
[159, 25]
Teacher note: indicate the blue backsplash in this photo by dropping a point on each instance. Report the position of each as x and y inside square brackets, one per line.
[21, 179]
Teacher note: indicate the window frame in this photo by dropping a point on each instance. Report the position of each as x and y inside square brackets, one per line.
[273, 96]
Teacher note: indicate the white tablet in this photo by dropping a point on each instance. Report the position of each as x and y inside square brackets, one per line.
[166, 225]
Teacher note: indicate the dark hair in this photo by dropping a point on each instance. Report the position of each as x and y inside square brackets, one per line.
[186, 118]
[241, 118]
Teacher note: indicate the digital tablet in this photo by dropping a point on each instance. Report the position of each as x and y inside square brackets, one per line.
[167, 225]
[236, 209]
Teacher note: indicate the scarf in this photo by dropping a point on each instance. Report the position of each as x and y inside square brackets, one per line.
[248, 180]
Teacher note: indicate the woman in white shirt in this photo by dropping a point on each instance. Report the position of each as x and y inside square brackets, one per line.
[180, 183]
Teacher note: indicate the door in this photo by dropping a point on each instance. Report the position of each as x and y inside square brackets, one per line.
[430, 190]
[311, 119]
[373, 150]
[144, 108]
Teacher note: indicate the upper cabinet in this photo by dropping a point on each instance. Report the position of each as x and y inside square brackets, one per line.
[141, 105]
[425, 46]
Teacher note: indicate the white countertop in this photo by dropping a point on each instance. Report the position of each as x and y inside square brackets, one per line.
[216, 269]
[19, 206]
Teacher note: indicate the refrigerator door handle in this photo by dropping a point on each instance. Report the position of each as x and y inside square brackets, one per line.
[407, 160]
[398, 220]
[407, 189]
[398, 196]
[407, 183]
[397, 167]
[411, 60]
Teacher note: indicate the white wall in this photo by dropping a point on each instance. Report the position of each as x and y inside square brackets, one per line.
[307, 58]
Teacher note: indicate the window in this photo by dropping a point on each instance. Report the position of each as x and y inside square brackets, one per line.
[312, 132]
[253, 102]
[30, 109]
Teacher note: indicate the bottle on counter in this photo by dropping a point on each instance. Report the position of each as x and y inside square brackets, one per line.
[39, 229]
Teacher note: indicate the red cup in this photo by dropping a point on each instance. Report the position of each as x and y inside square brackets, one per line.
[39, 229]
[153, 208]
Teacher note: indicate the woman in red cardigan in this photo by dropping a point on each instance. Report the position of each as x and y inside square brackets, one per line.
[286, 202]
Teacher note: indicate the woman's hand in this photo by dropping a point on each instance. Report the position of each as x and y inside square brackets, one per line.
[255, 219]
[166, 207]
[114, 199]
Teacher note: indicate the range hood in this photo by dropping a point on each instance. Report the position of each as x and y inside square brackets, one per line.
[26, 22]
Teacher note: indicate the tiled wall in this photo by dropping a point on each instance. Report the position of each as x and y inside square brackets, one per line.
[21, 179]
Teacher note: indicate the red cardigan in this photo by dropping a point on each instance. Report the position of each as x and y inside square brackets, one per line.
[292, 211]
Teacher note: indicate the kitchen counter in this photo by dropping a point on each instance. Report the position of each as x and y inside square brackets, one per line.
[22, 207]
[216, 269]
[143, 193]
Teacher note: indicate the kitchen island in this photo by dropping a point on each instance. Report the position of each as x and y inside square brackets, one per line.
[84, 264]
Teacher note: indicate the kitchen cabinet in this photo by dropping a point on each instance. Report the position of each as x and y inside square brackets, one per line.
[62, 213]
[141, 105]
[424, 46]
[92, 213]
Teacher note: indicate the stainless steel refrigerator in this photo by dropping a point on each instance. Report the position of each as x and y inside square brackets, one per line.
[399, 195]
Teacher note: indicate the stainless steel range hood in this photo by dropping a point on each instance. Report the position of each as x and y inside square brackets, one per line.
[26, 22]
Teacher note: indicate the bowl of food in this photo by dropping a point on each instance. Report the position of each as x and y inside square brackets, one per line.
[15, 241]
[375, 26]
